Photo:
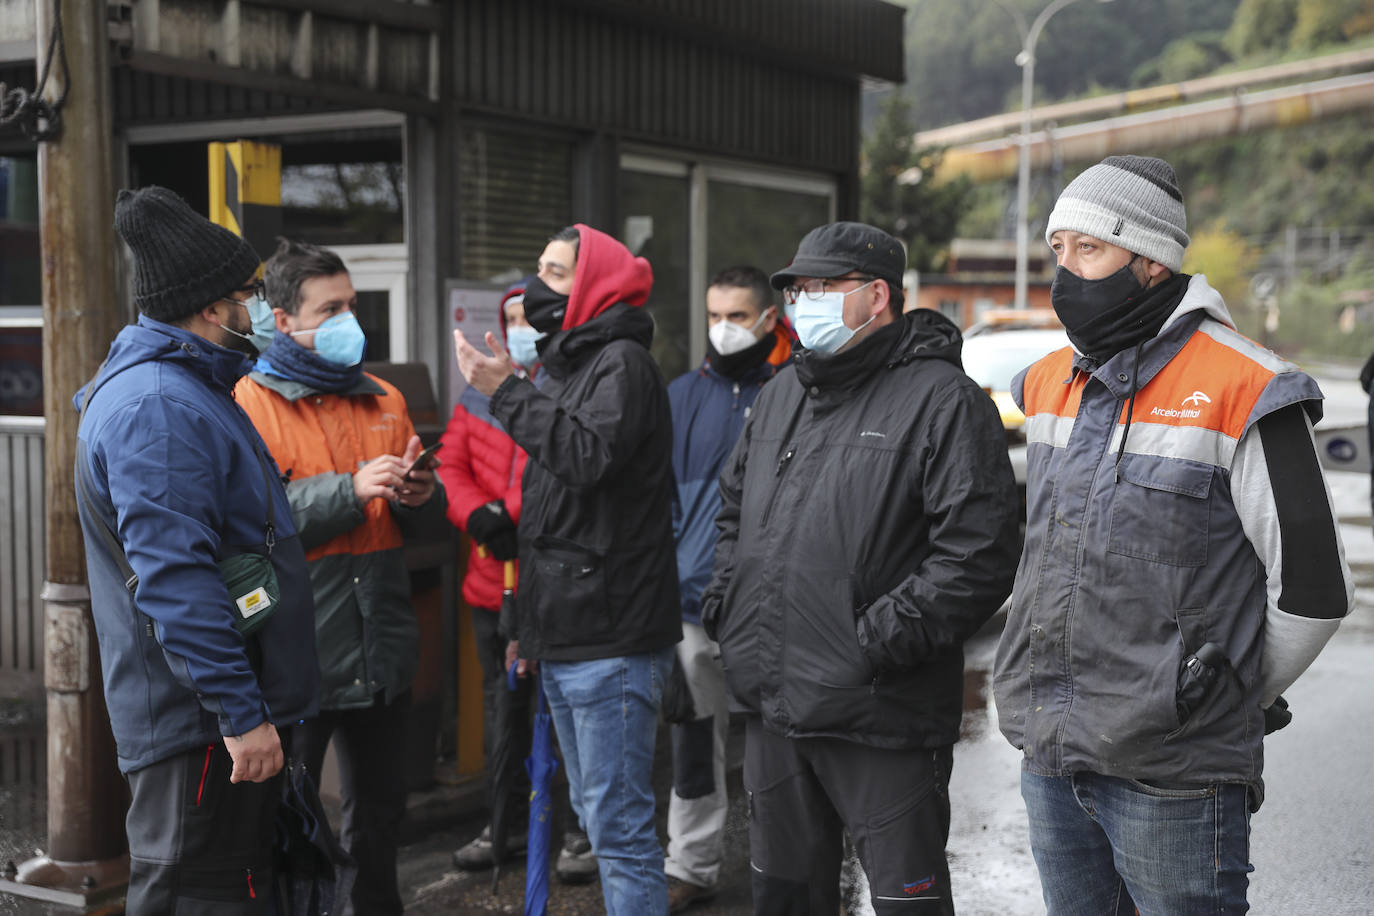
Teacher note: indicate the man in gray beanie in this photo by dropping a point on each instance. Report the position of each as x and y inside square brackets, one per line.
[1182, 564]
[199, 588]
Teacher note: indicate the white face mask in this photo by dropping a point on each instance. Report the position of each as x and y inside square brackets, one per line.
[728, 337]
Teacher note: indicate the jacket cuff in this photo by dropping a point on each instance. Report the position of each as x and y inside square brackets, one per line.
[503, 392]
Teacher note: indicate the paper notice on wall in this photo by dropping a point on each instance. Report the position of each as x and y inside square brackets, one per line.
[474, 309]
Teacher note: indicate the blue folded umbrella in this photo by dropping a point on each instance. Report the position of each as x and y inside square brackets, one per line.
[541, 765]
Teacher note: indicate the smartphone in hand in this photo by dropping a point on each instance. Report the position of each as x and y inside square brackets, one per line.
[425, 460]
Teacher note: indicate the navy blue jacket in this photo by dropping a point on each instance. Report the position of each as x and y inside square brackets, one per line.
[709, 411]
[172, 465]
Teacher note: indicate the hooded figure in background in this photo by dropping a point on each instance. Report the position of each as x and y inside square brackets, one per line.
[598, 607]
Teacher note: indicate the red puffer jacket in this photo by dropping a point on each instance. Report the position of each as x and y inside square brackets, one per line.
[479, 463]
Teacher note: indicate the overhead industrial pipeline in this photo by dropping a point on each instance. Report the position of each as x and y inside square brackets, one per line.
[1153, 131]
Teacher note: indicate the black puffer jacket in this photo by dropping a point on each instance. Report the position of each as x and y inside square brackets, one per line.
[868, 528]
[598, 573]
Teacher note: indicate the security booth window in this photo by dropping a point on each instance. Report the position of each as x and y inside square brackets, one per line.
[515, 191]
[654, 208]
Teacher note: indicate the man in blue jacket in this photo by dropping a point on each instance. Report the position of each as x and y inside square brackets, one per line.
[173, 481]
[745, 345]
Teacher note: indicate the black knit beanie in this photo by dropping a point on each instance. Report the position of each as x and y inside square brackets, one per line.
[182, 261]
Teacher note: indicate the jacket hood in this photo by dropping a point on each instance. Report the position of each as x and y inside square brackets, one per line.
[606, 274]
[1200, 297]
[567, 349]
[919, 334]
[152, 341]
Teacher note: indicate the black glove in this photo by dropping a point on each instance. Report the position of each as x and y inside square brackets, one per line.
[492, 527]
[1277, 716]
[1367, 374]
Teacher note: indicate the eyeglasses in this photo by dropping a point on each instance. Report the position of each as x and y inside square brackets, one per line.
[814, 289]
[256, 289]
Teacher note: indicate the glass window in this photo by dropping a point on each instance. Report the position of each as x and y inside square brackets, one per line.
[21, 289]
[758, 226]
[20, 275]
[655, 210]
[338, 187]
[515, 191]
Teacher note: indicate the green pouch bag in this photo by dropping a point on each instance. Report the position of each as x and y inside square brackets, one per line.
[252, 584]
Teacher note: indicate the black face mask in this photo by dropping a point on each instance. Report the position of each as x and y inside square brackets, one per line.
[544, 308]
[736, 365]
[1104, 317]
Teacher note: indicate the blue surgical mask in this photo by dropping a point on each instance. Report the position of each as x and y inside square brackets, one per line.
[820, 322]
[520, 344]
[790, 310]
[339, 339]
[264, 322]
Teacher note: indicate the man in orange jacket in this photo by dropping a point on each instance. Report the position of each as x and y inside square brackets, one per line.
[346, 443]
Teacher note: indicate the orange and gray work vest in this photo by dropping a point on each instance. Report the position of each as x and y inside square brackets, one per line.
[1212, 524]
[365, 626]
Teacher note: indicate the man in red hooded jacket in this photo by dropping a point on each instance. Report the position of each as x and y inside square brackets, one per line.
[597, 599]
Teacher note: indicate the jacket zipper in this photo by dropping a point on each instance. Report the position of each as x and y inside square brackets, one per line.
[736, 404]
[782, 466]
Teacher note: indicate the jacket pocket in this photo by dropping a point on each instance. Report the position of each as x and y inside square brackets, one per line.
[1160, 510]
[570, 587]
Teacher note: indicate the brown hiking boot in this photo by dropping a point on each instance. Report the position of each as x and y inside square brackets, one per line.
[682, 894]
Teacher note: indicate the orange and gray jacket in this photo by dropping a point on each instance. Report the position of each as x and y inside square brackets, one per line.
[365, 628]
[1210, 523]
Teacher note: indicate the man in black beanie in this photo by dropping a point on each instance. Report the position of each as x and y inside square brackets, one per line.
[199, 588]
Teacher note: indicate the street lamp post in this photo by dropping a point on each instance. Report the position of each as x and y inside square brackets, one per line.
[1026, 61]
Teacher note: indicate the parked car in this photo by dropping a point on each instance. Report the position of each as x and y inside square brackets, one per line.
[992, 358]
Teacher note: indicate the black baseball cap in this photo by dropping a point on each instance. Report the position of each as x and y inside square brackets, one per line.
[837, 248]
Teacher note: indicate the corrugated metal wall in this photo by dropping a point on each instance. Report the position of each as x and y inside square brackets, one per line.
[559, 63]
[21, 555]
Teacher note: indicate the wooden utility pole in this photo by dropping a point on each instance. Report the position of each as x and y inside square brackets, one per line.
[86, 857]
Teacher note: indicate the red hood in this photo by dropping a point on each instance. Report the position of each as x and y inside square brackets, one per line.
[606, 274]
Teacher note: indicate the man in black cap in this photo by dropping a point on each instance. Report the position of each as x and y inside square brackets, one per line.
[199, 587]
[868, 528]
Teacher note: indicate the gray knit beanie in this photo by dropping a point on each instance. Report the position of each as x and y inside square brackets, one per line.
[1132, 202]
[182, 261]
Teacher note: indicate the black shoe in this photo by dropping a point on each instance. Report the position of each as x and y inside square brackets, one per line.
[576, 862]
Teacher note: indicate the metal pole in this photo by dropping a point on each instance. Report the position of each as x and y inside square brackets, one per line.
[85, 859]
[1027, 61]
[1023, 172]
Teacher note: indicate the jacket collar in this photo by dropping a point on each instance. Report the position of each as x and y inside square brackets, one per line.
[919, 334]
[567, 350]
[293, 390]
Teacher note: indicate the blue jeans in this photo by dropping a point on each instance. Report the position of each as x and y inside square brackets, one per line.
[1105, 846]
[606, 715]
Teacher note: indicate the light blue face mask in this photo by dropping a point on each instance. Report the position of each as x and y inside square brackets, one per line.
[790, 310]
[520, 344]
[264, 322]
[820, 322]
[339, 339]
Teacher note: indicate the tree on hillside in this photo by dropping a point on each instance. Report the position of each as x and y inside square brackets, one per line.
[960, 56]
[1326, 22]
[897, 192]
[1261, 25]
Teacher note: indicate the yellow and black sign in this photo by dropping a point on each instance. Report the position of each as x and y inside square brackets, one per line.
[245, 191]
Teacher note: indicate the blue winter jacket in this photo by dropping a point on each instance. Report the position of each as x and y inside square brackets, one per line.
[709, 411]
[172, 465]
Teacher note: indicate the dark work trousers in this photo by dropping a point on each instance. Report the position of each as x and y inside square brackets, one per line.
[369, 744]
[803, 792]
[491, 654]
[197, 843]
